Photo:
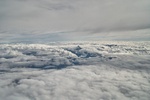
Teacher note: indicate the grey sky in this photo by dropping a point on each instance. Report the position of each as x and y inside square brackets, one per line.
[82, 19]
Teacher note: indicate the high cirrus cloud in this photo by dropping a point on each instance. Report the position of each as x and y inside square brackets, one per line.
[79, 16]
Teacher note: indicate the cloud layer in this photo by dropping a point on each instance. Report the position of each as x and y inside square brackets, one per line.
[76, 17]
[75, 71]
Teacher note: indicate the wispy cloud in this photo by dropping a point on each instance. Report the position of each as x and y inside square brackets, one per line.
[80, 16]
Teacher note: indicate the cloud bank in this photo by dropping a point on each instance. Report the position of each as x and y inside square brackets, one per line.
[74, 17]
[75, 71]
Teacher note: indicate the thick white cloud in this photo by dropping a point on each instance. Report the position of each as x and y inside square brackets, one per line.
[72, 17]
[75, 71]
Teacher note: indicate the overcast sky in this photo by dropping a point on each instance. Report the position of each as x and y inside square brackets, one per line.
[66, 20]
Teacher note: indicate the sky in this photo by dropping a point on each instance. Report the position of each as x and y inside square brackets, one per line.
[74, 20]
